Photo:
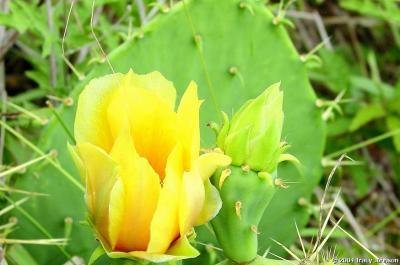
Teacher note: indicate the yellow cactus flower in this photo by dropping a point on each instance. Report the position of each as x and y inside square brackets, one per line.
[146, 185]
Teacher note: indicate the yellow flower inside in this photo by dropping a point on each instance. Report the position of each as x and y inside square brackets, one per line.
[146, 185]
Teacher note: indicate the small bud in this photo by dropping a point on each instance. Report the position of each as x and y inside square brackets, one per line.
[238, 206]
[246, 168]
[254, 229]
[253, 136]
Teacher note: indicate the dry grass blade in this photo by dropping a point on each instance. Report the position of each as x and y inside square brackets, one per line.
[54, 241]
[70, 65]
[97, 40]
[323, 200]
[320, 246]
[301, 240]
[279, 257]
[355, 240]
[287, 250]
[330, 212]
[31, 193]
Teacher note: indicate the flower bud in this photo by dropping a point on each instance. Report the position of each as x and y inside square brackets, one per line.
[253, 137]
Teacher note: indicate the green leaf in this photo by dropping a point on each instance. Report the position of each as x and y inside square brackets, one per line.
[367, 114]
[393, 123]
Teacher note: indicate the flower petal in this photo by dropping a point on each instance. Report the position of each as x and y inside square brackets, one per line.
[192, 200]
[153, 126]
[90, 124]
[156, 83]
[141, 190]
[165, 224]
[101, 173]
[188, 125]
[180, 249]
[212, 204]
[116, 212]
[209, 162]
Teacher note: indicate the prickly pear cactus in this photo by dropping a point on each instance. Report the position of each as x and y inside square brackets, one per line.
[245, 195]
[242, 52]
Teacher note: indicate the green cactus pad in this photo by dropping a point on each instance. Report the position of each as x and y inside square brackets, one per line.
[231, 34]
[245, 195]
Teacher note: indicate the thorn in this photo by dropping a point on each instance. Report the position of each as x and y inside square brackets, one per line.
[279, 183]
[68, 220]
[218, 150]
[238, 207]
[233, 70]
[198, 39]
[319, 103]
[68, 101]
[214, 126]
[254, 229]
[53, 153]
[246, 168]
[225, 173]
[302, 201]
[244, 5]
[13, 220]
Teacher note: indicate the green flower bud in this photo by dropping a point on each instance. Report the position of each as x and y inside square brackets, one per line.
[254, 133]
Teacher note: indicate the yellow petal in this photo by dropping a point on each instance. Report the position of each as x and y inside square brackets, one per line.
[210, 162]
[165, 224]
[182, 248]
[101, 173]
[188, 125]
[117, 113]
[154, 82]
[141, 186]
[90, 123]
[212, 204]
[153, 126]
[116, 212]
[192, 200]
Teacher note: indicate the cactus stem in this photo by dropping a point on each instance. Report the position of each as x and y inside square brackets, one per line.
[254, 229]
[246, 168]
[225, 173]
[238, 207]
[280, 183]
